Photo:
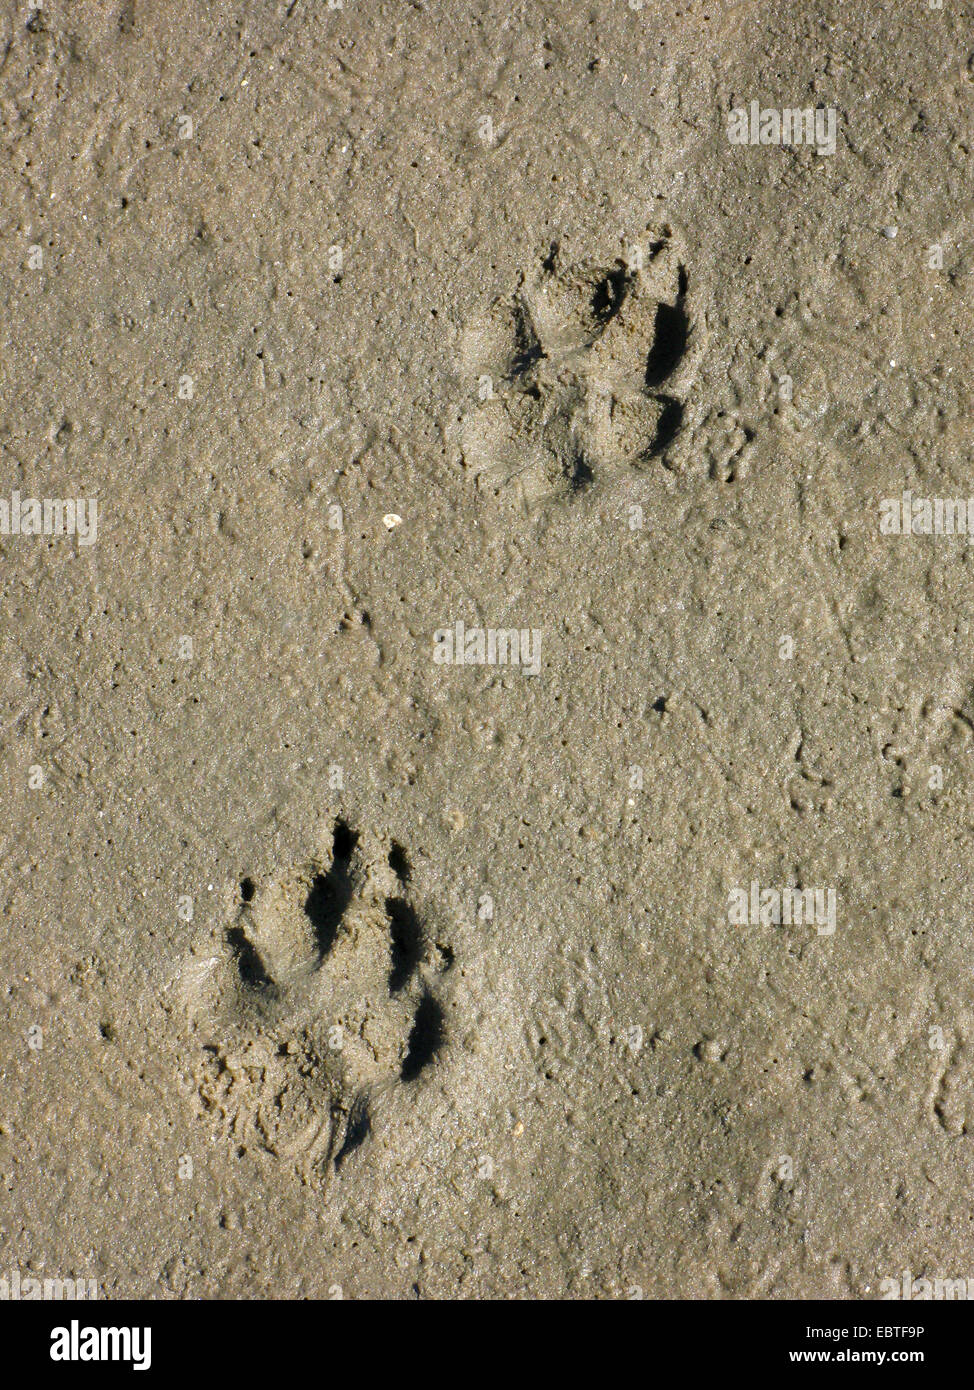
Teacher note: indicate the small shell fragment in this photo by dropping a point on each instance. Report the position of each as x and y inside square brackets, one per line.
[390, 521]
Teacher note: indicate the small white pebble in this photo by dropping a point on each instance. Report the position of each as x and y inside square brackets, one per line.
[390, 521]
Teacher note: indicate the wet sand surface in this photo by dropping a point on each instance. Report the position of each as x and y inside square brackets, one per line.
[493, 613]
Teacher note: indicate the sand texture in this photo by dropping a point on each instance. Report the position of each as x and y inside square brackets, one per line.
[490, 624]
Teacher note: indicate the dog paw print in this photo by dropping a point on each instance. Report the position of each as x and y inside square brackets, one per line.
[583, 370]
[725, 444]
[322, 998]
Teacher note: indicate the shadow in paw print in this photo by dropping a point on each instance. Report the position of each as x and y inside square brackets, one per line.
[579, 473]
[357, 1129]
[609, 294]
[670, 336]
[668, 425]
[331, 893]
[406, 942]
[399, 864]
[250, 967]
[527, 347]
[425, 1038]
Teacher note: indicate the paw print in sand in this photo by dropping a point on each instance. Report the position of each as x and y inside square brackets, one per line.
[582, 370]
[322, 999]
